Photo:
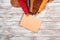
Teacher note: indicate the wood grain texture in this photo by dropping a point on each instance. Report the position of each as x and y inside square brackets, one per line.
[10, 17]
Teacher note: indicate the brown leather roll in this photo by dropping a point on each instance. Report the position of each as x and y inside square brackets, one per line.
[36, 6]
[15, 3]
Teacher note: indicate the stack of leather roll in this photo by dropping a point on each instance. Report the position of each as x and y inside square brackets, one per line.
[30, 6]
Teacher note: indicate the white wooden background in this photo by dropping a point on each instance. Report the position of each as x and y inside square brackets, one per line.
[10, 17]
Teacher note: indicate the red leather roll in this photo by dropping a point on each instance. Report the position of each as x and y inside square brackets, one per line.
[23, 4]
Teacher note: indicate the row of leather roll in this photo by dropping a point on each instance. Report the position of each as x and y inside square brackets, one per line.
[31, 6]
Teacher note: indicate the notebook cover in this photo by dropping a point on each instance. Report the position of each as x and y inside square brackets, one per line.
[31, 23]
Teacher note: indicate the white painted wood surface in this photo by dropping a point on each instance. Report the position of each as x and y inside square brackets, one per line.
[10, 17]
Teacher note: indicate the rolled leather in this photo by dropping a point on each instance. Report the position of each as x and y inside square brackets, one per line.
[31, 5]
[43, 4]
[15, 3]
[36, 6]
[28, 5]
[23, 5]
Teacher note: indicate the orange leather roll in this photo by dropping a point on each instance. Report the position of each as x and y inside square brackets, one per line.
[42, 5]
[31, 5]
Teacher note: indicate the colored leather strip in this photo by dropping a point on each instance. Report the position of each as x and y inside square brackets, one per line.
[28, 5]
[36, 6]
[23, 4]
[42, 5]
[31, 5]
